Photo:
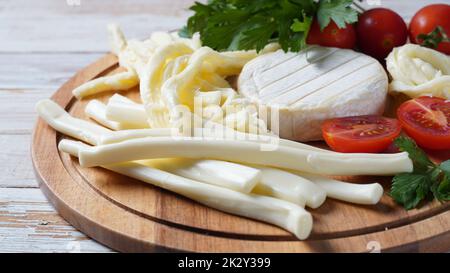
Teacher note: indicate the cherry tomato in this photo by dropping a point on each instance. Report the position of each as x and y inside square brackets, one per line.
[379, 30]
[427, 121]
[427, 19]
[332, 35]
[360, 134]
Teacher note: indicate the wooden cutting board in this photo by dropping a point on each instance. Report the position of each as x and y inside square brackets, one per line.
[131, 216]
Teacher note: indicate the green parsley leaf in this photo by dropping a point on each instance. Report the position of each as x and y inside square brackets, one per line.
[245, 24]
[420, 160]
[337, 10]
[303, 26]
[434, 38]
[258, 36]
[444, 188]
[184, 32]
[408, 189]
[445, 166]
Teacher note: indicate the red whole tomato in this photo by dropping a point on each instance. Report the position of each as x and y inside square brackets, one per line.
[379, 31]
[427, 121]
[360, 134]
[332, 35]
[427, 19]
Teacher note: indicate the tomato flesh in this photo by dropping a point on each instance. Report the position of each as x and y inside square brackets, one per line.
[360, 134]
[332, 35]
[427, 19]
[427, 121]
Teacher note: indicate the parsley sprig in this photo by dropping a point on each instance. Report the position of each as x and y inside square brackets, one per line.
[245, 24]
[434, 38]
[427, 181]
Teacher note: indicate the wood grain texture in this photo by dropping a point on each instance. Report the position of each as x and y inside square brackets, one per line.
[29, 223]
[40, 70]
[16, 172]
[55, 26]
[128, 215]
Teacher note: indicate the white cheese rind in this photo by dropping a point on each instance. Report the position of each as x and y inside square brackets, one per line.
[247, 152]
[284, 214]
[312, 86]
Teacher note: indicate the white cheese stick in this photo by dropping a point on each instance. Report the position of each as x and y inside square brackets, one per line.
[119, 81]
[284, 214]
[211, 133]
[289, 187]
[363, 194]
[127, 113]
[96, 110]
[247, 152]
[119, 136]
[62, 122]
[119, 98]
[86, 131]
[220, 173]
[230, 175]
[217, 130]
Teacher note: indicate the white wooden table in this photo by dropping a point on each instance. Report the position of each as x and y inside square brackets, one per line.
[42, 44]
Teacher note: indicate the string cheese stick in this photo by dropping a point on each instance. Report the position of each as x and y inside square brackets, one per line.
[220, 173]
[116, 39]
[119, 136]
[225, 174]
[217, 132]
[364, 194]
[247, 152]
[62, 122]
[86, 131]
[127, 113]
[290, 187]
[284, 214]
[119, 98]
[119, 81]
[96, 110]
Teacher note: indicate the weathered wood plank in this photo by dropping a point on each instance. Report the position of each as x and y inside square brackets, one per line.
[17, 114]
[40, 71]
[16, 167]
[54, 26]
[28, 223]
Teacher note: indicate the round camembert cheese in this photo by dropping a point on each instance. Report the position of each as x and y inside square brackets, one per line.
[309, 87]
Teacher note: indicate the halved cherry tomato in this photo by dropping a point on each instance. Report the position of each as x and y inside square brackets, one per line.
[427, 121]
[332, 35]
[360, 134]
